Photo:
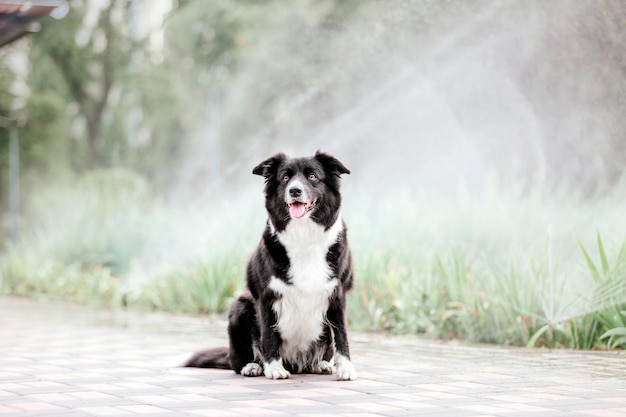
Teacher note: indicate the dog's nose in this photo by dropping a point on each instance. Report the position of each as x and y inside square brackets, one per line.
[295, 192]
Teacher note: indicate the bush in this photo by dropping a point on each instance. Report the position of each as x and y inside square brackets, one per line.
[499, 267]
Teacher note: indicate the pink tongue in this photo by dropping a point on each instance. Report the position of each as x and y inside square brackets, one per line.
[296, 210]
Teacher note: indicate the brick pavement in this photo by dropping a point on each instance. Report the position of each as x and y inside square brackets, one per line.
[60, 360]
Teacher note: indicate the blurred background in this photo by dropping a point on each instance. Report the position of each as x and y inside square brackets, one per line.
[486, 141]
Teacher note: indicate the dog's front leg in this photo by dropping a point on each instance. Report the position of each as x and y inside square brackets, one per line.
[344, 369]
[270, 339]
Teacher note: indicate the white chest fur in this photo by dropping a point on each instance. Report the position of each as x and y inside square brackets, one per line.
[302, 307]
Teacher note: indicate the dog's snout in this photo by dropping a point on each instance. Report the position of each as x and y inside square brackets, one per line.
[295, 192]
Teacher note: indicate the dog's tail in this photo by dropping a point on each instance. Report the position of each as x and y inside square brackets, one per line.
[210, 358]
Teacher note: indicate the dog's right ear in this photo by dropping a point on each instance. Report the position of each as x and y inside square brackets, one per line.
[269, 167]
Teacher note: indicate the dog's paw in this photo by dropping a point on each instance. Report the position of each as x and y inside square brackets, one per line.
[324, 367]
[275, 370]
[252, 369]
[344, 369]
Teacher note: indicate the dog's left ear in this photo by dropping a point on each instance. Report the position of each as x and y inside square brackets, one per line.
[269, 167]
[331, 164]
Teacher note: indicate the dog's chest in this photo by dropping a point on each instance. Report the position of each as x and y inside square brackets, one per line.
[303, 302]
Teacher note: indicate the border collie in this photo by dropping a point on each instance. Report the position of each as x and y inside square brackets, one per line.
[292, 319]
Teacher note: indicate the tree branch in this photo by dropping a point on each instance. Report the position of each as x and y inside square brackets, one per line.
[107, 60]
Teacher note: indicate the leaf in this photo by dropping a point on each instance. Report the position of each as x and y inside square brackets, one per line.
[533, 340]
[619, 342]
[618, 331]
[590, 263]
[603, 257]
[621, 257]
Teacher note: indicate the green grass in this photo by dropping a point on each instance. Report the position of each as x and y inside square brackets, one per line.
[496, 266]
[206, 287]
[526, 303]
[51, 279]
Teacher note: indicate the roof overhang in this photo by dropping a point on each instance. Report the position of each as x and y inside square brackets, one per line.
[18, 18]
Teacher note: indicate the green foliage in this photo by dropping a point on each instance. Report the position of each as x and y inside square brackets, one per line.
[106, 239]
[495, 265]
[265, 76]
[6, 102]
[209, 286]
[30, 276]
[6, 98]
[617, 335]
[463, 297]
[511, 293]
[610, 293]
[90, 61]
[95, 220]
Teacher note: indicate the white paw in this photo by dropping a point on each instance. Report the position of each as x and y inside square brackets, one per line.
[324, 367]
[252, 369]
[275, 370]
[344, 369]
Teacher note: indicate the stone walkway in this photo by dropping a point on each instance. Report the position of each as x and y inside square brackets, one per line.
[60, 360]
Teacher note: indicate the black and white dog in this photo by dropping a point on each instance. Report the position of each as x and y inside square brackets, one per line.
[293, 317]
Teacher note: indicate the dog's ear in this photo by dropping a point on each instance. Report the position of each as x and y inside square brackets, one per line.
[331, 164]
[269, 167]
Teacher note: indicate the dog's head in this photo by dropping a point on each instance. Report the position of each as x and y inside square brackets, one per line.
[300, 188]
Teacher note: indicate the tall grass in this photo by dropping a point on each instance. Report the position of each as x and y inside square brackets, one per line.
[498, 265]
[105, 239]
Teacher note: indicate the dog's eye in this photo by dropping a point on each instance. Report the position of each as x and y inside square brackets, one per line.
[285, 178]
[312, 177]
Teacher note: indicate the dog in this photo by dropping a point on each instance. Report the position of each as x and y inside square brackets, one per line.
[292, 318]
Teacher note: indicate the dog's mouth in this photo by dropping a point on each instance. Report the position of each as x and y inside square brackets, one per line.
[298, 209]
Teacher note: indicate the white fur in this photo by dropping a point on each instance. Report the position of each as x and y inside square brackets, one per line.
[252, 369]
[302, 307]
[344, 369]
[179, 360]
[323, 367]
[275, 369]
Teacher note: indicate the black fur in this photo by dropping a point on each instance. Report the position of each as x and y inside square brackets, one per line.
[328, 170]
[254, 333]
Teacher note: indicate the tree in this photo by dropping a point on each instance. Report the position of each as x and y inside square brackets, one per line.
[90, 58]
[6, 98]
